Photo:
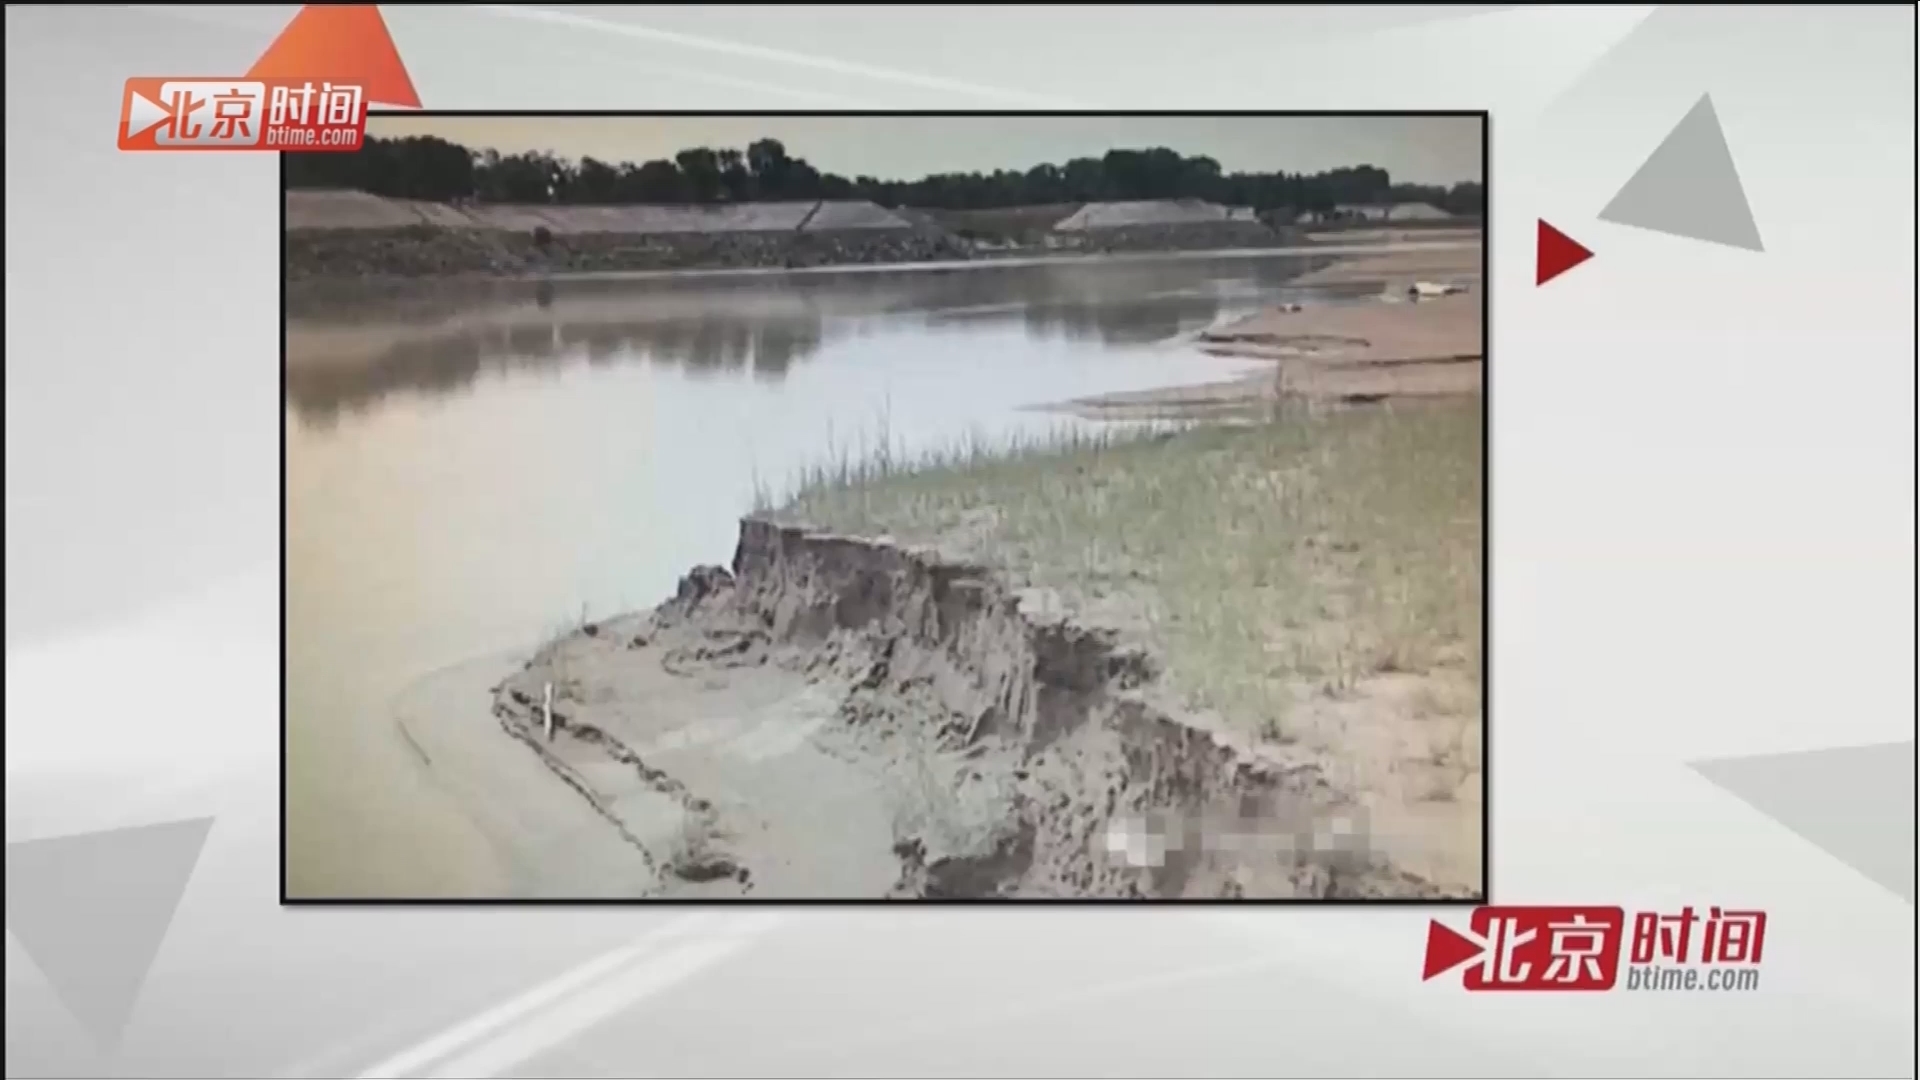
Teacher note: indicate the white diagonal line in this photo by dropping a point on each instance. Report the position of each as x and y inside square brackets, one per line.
[462, 1035]
[817, 97]
[761, 52]
[563, 1020]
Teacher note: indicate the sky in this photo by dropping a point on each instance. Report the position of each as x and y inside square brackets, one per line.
[1413, 149]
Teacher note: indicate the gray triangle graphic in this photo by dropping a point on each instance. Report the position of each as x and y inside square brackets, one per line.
[1689, 187]
[1854, 803]
[92, 909]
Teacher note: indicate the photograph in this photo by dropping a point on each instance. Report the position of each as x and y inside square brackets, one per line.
[854, 508]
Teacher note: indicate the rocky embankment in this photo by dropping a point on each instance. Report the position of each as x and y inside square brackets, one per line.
[421, 251]
[432, 251]
[833, 715]
[335, 235]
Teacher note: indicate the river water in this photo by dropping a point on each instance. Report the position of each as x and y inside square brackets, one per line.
[470, 471]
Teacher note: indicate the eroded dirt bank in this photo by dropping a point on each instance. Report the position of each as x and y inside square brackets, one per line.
[843, 717]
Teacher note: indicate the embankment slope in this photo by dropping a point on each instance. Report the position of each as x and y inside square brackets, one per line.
[335, 234]
[833, 704]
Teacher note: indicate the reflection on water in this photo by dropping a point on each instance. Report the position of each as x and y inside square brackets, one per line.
[468, 468]
[346, 352]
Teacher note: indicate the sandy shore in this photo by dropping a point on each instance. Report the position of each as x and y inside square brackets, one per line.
[1437, 258]
[1394, 347]
[545, 841]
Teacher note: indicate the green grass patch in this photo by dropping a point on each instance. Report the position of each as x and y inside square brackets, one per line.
[1298, 556]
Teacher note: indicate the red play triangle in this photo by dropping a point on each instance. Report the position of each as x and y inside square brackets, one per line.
[340, 41]
[1447, 949]
[1557, 254]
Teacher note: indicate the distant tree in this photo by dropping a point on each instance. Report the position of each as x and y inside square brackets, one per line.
[1044, 184]
[520, 178]
[420, 167]
[833, 186]
[431, 168]
[1199, 177]
[594, 182]
[660, 181]
[735, 181]
[767, 161]
[1468, 199]
[1086, 181]
[701, 168]
[803, 181]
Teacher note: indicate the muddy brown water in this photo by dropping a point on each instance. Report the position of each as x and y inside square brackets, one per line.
[471, 469]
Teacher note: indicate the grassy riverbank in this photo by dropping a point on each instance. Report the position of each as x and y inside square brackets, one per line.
[1315, 578]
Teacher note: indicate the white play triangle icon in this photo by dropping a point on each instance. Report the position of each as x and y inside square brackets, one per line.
[143, 112]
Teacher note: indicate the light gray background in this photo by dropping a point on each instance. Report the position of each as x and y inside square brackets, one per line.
[1703, 545]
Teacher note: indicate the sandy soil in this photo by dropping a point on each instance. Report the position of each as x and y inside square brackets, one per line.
[709, 764]
[545, 840]
[847, 718]
[1314, 581]
[1396, 270]
[1394, 348]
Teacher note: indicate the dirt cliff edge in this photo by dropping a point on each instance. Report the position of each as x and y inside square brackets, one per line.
[1018, 753]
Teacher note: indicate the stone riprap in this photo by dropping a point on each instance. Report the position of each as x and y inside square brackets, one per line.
[336, 234]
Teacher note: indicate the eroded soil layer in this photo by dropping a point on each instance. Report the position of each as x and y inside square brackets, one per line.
[839, 717]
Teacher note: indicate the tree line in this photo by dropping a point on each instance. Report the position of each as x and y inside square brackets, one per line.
[435, 169]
